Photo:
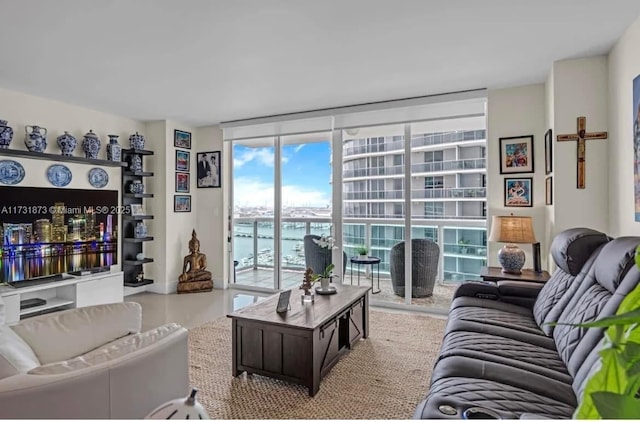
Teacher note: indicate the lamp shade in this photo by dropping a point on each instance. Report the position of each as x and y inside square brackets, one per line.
[512, 229]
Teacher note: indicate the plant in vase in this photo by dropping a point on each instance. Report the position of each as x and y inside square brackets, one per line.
[324, 277]
[362, 251]
[307, 284]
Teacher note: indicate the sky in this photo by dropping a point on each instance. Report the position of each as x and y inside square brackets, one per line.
[306, 172]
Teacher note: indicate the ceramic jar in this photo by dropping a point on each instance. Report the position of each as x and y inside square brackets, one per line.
[91, 145]
[35, 138]
[135, 163]
[6, 135]
[136, 141]
[140, 230]
[67, 143]
[114, 150]
[136, 187]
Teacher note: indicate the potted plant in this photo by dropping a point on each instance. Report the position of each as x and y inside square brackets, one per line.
[324, 277]
[463, 245]
[362, 251]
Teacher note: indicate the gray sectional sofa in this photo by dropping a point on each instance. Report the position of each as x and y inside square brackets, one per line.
[500, 357]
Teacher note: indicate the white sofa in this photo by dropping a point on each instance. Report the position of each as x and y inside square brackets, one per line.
[90, 363]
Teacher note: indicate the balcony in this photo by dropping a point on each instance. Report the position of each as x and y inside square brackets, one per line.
[429, 139]
[453, 165]
[449, 193]
[375, 148]
[374, 171]
[388, 194]
[254, 245]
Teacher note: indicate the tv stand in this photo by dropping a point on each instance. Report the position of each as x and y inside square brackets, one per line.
[68, 292]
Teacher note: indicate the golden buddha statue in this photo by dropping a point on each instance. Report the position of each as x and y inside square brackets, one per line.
[194, 277]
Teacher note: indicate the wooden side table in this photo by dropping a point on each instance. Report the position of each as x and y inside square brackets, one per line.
[495, 274]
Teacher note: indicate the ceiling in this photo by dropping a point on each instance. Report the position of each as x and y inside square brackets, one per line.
[206, 61]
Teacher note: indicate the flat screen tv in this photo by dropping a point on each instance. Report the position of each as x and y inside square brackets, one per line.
[49, 231]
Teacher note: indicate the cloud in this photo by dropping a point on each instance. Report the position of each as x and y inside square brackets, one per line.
[298, 148]
[252, 192]
[262, 156]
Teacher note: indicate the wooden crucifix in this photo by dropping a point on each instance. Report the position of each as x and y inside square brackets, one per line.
[581, 137]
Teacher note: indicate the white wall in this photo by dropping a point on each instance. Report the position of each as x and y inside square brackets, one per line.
[624, 66]
[580, 89]
[514, 112]
[210, 213]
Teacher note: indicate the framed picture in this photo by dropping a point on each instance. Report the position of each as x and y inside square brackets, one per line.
[183, 160]
[181, 139]
[516, 154]
[209, 169]
[181, 203]
[182, 182]
[518, 192]
[548, 151]
[137, 209]
[548, 192]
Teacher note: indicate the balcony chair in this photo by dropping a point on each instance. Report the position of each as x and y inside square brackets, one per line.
[425, 255]
[318, 258]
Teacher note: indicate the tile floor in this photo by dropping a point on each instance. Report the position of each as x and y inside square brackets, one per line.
[192, 310]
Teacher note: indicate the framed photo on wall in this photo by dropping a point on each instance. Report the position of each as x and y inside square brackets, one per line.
[183, 160]
[518, 192]
[208, 172]
[137, 209]
[548, 190]
[182, 182]
[548, 151]
[181, 203]
[516, 154]
[181, 139]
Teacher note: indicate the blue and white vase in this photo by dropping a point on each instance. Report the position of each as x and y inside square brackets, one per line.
[135, 163]
[141, 230]
[136, 187]
[35, 139]
[136, 141]
[6, 135]
[114, 150]
[91, 145]
[67, 143]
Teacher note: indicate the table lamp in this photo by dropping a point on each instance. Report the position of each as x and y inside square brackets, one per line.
[511, 230]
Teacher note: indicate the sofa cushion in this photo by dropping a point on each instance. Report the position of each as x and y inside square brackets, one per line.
[573, 247]
[15, 355]
[114, 350]
[67, 334]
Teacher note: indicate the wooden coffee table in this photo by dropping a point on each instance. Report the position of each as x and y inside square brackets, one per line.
[303, 344]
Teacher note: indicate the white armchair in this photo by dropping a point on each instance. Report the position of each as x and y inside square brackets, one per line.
[90, 363]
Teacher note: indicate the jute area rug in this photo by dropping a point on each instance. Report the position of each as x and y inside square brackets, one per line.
[384, 377]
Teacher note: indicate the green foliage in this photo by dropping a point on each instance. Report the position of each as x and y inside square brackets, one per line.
[362, 250]
[612, 392]
[325, 274]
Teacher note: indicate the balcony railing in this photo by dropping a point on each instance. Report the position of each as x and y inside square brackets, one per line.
[463, 261]
[388, 194]
[374, 171]
[447, 138]
[468, 164]
[368, 149]
[445, 193]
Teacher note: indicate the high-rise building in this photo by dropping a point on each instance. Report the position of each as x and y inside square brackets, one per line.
[42, 231]
[447, 188]
[90, 227]
[58, 228]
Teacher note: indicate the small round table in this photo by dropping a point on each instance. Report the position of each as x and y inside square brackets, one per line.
[369, 260]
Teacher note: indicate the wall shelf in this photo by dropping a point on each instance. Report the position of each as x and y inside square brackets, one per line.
[59, 158]
[138, 173]
[138, 151]
[138, 195]
[138, 239]
[142, 283]
[137, 262]
[138, 217]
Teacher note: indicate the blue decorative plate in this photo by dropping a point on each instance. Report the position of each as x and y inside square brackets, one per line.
[98, 177]
[59, 175]
[11, 172]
